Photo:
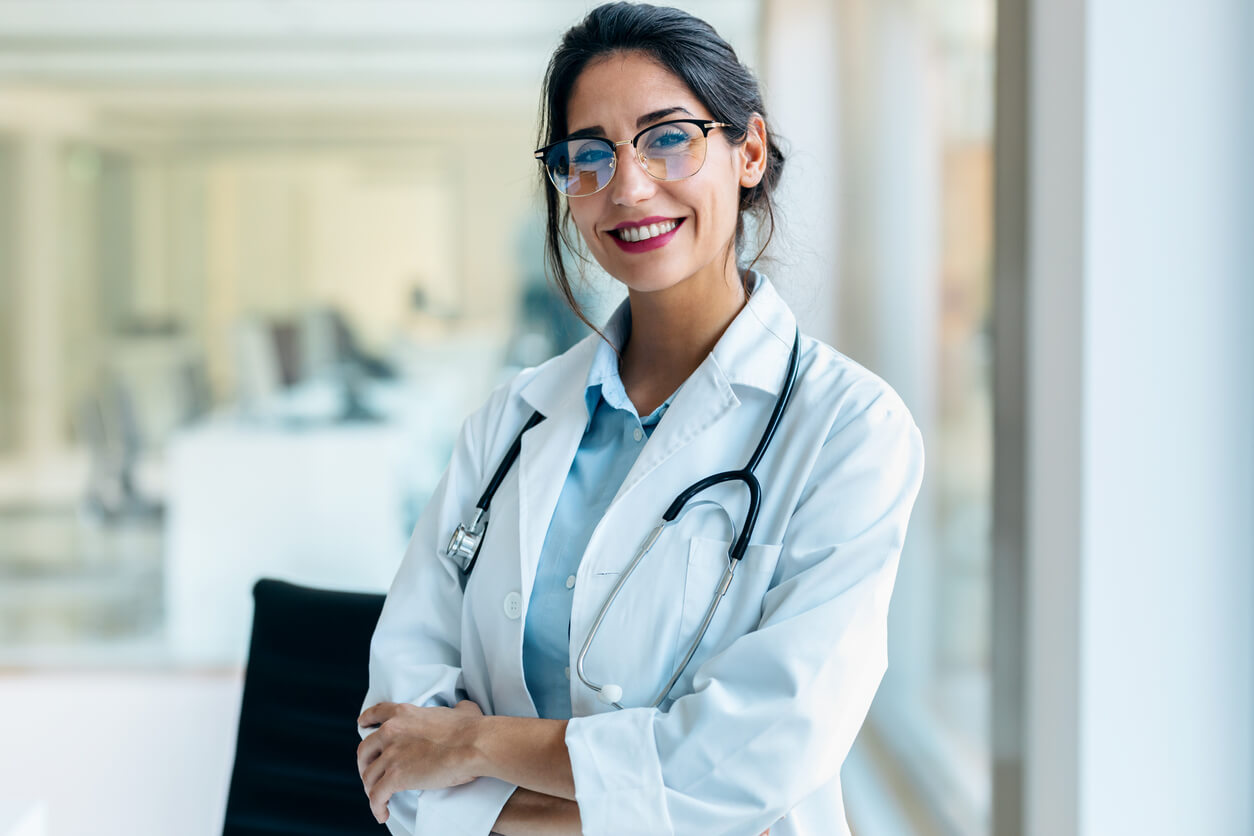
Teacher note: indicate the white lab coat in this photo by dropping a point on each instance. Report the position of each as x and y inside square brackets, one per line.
[754, 733]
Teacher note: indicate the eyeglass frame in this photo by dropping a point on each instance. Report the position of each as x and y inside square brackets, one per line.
[704, 125]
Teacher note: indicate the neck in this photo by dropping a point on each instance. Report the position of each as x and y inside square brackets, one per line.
[673, 331]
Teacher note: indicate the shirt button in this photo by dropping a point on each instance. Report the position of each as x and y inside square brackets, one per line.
[513, 605]
[568, 673]
[570, 582]
[637, 433]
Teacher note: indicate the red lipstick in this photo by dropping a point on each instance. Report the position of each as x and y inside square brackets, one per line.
[653, 242]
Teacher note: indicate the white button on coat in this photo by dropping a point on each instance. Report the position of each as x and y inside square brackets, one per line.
[513, 605]
[838, 482]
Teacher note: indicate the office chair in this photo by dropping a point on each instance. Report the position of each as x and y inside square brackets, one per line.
[295, 766]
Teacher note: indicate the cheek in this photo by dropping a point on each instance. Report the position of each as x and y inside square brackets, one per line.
[718, 216]
[584, 223]
[720, 200]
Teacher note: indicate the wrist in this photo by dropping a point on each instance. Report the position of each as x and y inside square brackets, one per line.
[475, 748]
[523, 751]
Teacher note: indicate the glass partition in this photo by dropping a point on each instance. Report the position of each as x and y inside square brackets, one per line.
[8, 411]
[252, 296]
[257, 338]
[916, 293]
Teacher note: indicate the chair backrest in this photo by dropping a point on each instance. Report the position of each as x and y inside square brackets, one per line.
[295, 755]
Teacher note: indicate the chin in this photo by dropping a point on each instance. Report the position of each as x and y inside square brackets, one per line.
[644, 278]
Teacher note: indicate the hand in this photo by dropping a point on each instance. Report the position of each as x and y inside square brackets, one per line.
[415, 749]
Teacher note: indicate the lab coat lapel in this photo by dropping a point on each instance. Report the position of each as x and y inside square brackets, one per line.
[702, 401]
[548, 449]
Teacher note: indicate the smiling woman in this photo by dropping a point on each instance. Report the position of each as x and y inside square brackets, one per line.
[699, 203]
[600, 672]
[699, 72]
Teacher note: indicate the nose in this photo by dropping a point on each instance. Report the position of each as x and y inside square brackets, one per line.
[631, 183]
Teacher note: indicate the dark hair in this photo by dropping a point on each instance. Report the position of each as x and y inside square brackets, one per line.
[689, 48]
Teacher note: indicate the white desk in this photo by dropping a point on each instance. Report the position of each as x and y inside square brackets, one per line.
[322, 504]
[23, 818]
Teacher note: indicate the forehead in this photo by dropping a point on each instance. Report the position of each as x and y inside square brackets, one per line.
[613, 91]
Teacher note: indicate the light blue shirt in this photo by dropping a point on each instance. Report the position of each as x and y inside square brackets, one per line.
[612, 439]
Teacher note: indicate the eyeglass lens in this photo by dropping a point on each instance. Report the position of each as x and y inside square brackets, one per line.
[580, 167]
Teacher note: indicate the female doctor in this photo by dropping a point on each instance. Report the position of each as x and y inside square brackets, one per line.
[554, 688]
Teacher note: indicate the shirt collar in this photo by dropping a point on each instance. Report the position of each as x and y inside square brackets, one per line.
[604, 381]
[747, 351]
[753, 351]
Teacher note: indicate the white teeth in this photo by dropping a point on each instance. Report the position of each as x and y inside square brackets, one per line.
[644, 233]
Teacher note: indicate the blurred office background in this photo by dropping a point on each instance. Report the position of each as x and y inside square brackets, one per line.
[259, 259]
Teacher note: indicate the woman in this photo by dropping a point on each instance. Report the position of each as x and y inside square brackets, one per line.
[486, 720]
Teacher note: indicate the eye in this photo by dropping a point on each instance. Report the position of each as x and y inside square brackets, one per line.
[670, 139]
[589, 153]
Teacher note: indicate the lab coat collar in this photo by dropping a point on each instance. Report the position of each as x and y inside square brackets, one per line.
[753, 351]
[559, 383]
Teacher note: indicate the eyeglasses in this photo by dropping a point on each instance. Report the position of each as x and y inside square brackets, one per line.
[667, 151]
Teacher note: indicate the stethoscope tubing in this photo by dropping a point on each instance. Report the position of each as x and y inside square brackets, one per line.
[470, 538]
[741, 545]
[736, 553]
[480, 522]
[506, 464]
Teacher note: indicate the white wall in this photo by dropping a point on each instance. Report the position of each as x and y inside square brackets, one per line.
[1141, 399]
[800, 80]
[1169, 412]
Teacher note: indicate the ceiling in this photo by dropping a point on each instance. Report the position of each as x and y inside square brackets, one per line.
[257, 55]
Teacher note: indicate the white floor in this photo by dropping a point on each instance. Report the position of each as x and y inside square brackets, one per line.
[119, 754]
[148, 753]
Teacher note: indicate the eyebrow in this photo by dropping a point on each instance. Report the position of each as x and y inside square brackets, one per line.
[653, 116]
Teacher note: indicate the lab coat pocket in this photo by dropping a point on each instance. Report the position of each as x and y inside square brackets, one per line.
[738, 613]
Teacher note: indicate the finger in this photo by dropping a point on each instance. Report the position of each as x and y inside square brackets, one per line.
[376, 806]
[376, 714]
[379, 797]
[373, 772]
[368, 750]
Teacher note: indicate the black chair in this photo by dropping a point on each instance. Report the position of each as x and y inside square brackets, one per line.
[295, 755]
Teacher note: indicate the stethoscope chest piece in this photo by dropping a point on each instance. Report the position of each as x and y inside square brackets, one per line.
[463, 546]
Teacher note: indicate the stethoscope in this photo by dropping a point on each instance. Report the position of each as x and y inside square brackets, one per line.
[464, 545]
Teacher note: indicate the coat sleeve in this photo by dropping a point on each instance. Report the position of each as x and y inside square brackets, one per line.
[415, 654]
[772, 717]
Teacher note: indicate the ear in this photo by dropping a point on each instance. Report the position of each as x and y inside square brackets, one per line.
[753, 153]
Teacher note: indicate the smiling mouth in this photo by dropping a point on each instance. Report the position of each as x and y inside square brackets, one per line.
[633, 234]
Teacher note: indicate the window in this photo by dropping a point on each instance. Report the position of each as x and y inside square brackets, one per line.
[8, 290]
[916, 291]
